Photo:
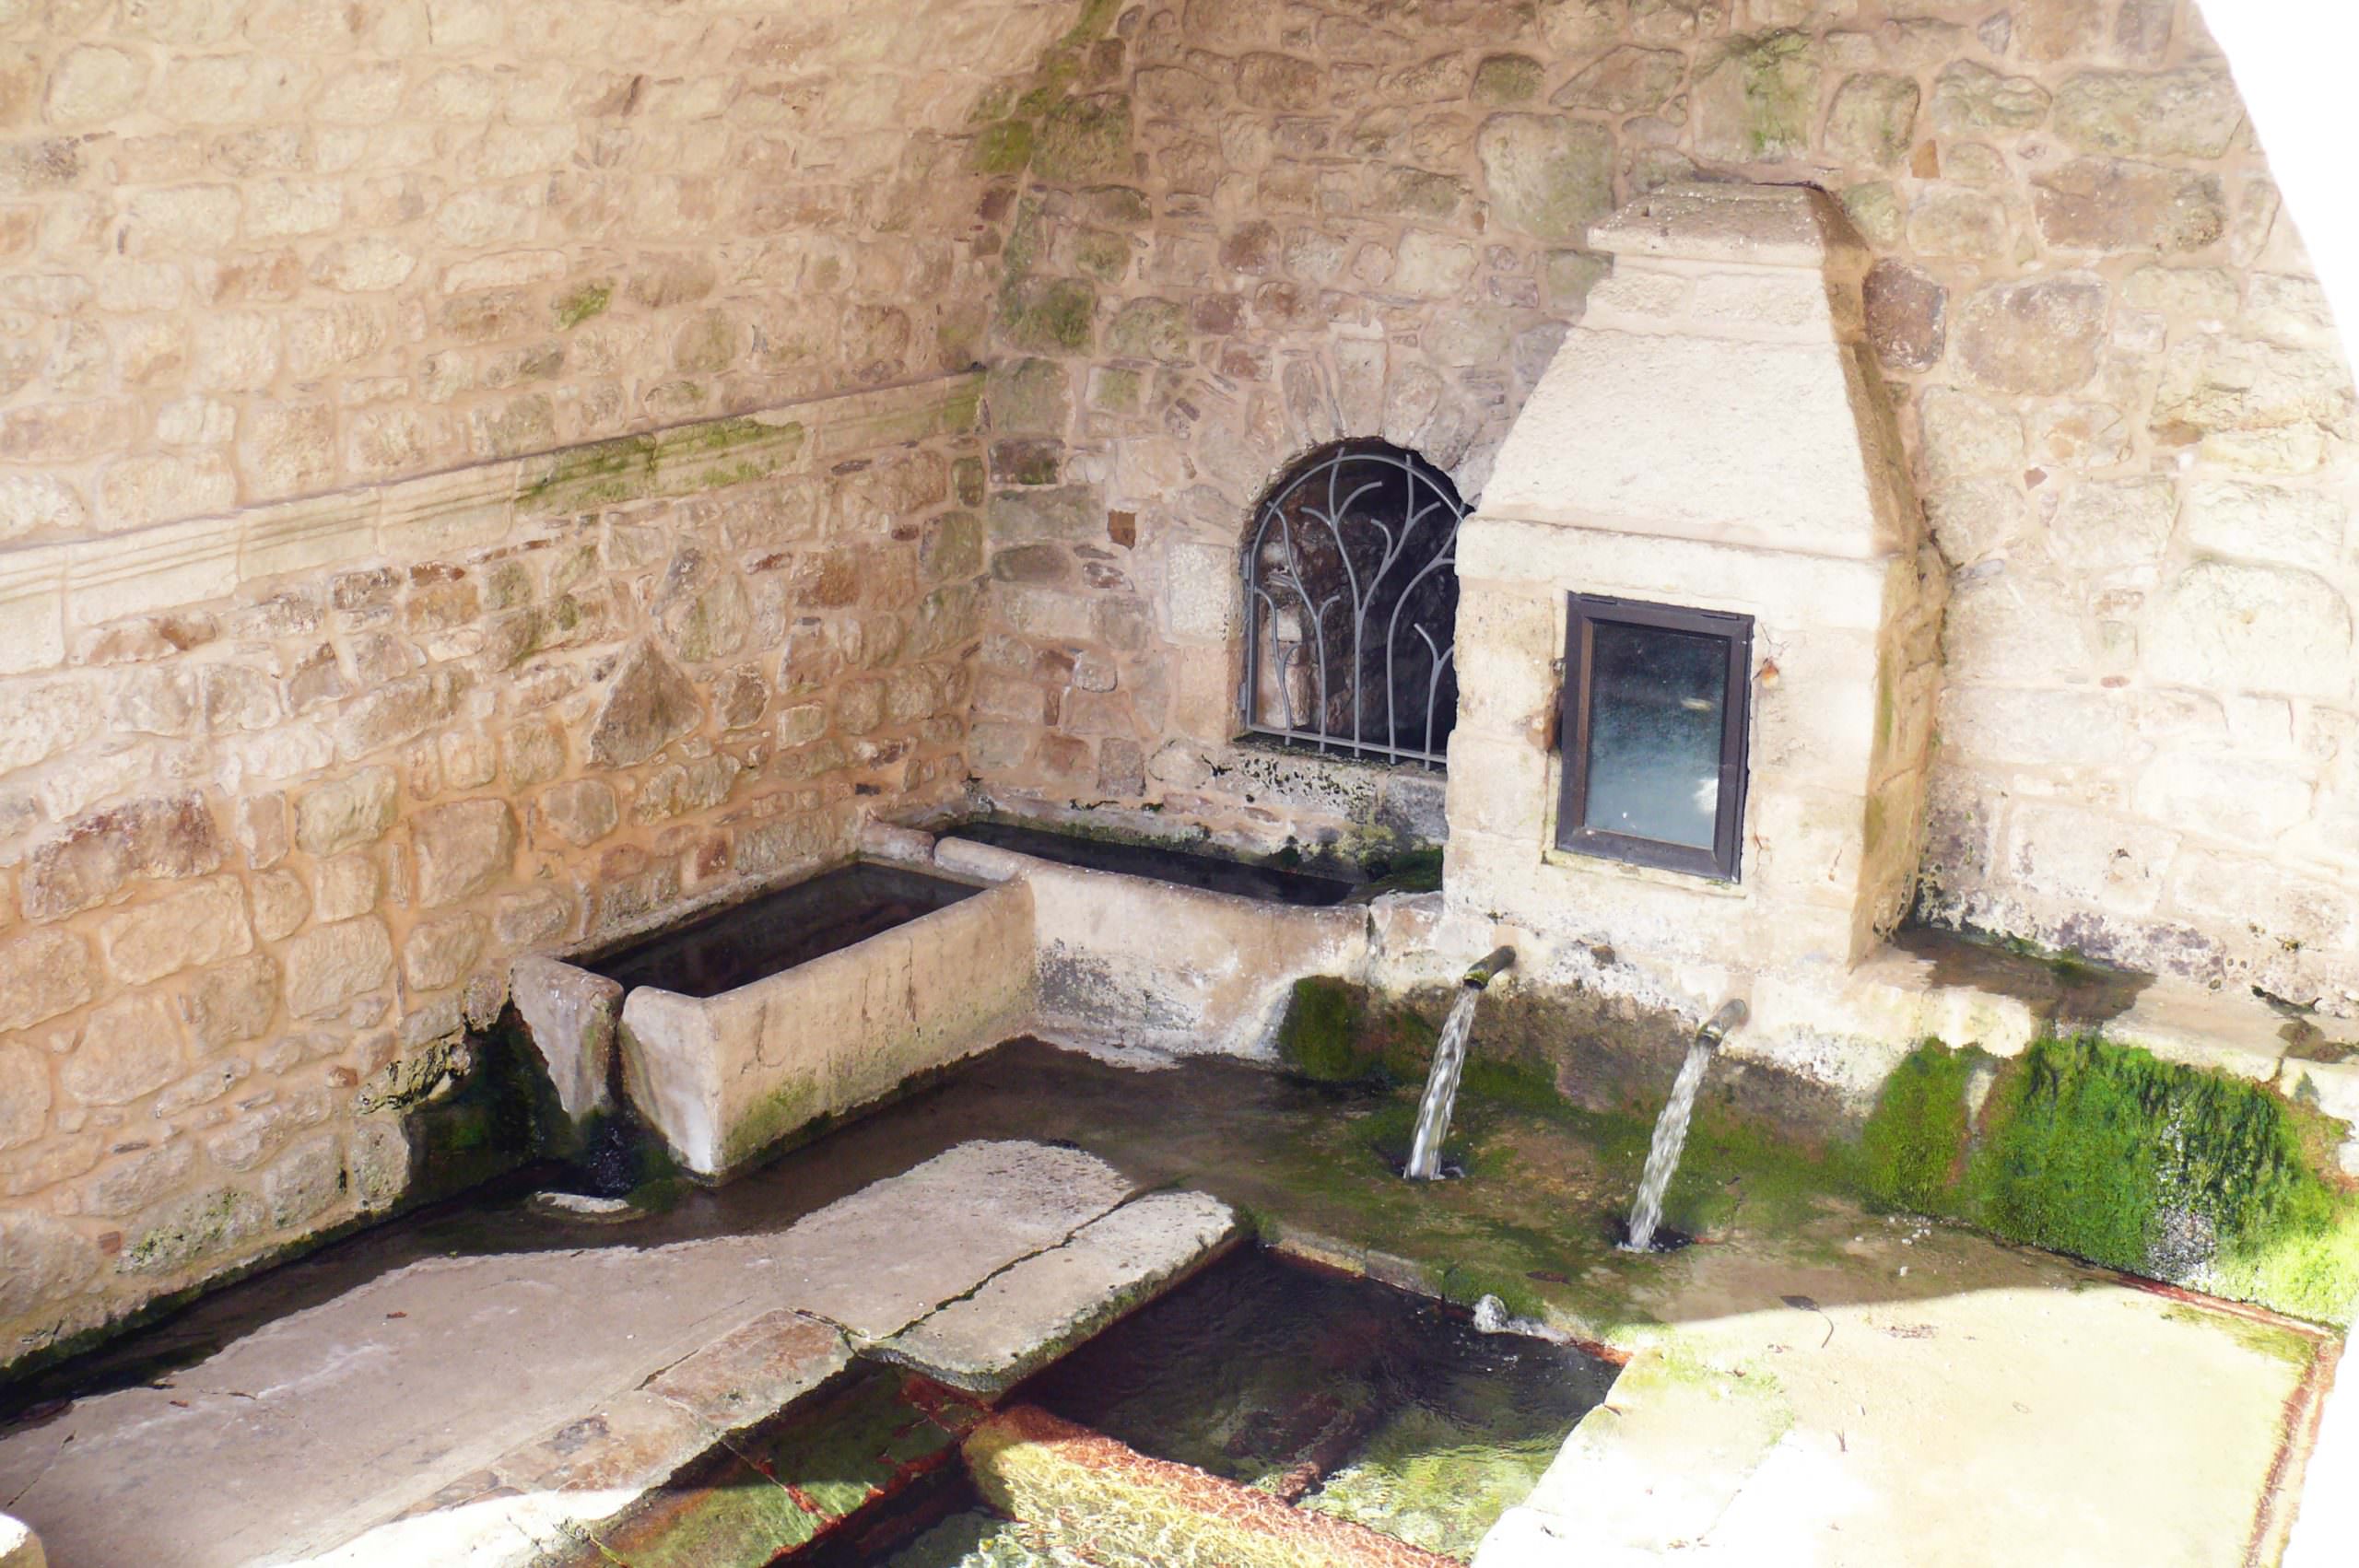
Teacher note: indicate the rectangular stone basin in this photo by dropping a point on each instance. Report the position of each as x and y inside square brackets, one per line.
[754, 1021]
[1129, 959]
[1171, 864]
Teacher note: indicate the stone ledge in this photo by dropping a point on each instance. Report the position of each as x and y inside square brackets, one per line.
[196, 560]
[1790, 226]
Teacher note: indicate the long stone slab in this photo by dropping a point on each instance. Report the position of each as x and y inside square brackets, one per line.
[1026, 1317]
[468, 1409]
[876, 1262]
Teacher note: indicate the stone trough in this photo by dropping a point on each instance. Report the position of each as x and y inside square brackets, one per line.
[730, 1033]
[1131, 959]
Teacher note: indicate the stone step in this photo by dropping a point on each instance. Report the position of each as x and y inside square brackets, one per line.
[1032, 1313]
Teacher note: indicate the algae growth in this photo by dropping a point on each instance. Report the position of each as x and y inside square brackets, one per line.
[2106, 1153]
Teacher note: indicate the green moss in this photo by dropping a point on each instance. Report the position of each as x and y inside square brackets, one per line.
[1050, 316]
[1910, 1150]
[1319, 1036]
[1003, 148]
[2108, 1154]
[581, 304]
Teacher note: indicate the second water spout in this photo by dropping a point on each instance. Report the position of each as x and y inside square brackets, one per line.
[1670, 1128]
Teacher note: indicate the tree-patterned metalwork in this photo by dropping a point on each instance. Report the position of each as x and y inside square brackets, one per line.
[1351, 601]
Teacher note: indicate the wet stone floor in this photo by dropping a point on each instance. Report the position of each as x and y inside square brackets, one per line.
[1810, 1382]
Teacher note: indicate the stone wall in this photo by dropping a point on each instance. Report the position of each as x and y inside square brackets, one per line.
[419, 544]
[258, 248]
[2115, 376]
[294, 786]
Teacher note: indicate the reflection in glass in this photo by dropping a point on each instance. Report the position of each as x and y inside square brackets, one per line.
[1656, 699]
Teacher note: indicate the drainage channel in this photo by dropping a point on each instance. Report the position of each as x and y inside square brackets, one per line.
[1265, 1411]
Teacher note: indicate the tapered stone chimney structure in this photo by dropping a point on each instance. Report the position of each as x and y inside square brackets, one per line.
[1710, 438]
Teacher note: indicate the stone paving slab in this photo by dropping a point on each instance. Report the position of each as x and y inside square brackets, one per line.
[473, 1408]
[1026, 1317]
[1832, 1409]
[876, 1262]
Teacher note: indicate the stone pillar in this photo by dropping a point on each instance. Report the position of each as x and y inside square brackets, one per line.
[1712, 436]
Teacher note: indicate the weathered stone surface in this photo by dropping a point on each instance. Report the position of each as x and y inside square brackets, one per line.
[333, 817]
[92, 855]
[462, 848]
[572, 1015]
[1952, 220]
[2110, 204]
[46, 1260]
[925, 1236]
[1974, 518]
[650, 705]
[2266, 522]
[1028, 1316]
[1973, 99]
[24, 1096]
[2261, 402]
[304, 1181]
[2223, 627]
[1628, 80]
[2039, 336]
[233, 1001]
[1870, 118]
[43, 974]
[129, 1047]
[328, 966]
[2116, 525]
[1757, 99]
[2190, 112]
[1908, 316]
[1960, 435]
[579, 811]
[195, 926]
[439, 953]
[1547, 175]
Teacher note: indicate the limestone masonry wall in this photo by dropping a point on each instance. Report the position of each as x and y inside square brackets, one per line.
[2115, 379]
[419, 544]
[297, 823]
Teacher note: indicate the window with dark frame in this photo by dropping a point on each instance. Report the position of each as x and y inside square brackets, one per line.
[1651, 734]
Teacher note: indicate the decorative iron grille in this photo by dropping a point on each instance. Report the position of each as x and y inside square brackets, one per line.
[1351, 600]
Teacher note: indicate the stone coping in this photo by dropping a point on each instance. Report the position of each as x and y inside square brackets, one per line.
[1784, 225]
[50, 589]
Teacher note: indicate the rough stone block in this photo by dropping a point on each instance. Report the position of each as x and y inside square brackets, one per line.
[573, 1017]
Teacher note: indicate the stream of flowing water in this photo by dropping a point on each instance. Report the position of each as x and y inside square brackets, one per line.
[1441, 1088]
[1670, 1137]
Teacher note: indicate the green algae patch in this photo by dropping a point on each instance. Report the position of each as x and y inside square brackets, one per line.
[2106, 1153]
[1319, 1037]
[1910, 1152]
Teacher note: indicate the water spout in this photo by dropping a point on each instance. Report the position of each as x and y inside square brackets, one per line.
[1670, 1128]
[1449, 1061]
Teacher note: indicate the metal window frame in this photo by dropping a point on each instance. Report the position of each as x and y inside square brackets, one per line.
[1439, 501]
[1723, 861]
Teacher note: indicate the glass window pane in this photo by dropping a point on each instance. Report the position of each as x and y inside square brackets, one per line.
[1656, 699]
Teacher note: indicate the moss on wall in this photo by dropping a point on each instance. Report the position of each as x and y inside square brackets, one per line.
[2107, 1152]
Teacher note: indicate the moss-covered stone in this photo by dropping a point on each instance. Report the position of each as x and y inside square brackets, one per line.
[1050, 316]
[580, 305]
[1083, 139]
[1319, 1036]
[2106, 1153]
[1003, 148]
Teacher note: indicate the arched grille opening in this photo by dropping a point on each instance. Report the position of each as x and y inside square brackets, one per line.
[1351, 603]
